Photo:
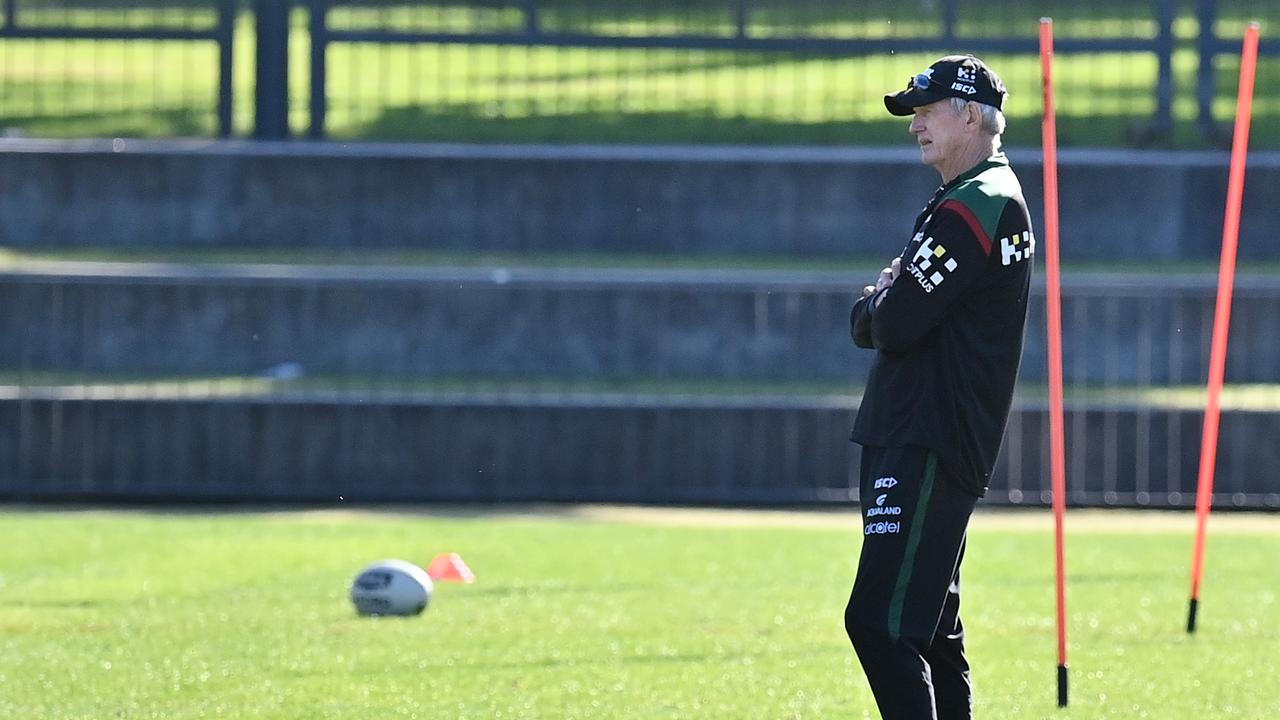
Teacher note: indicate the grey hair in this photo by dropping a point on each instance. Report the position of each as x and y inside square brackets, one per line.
[992, 119]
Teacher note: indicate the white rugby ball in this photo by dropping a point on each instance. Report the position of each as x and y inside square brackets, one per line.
[391, 587]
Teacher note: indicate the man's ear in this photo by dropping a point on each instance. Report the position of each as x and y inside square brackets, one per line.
[973, 114]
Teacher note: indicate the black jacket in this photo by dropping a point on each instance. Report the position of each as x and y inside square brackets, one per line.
[948, 334]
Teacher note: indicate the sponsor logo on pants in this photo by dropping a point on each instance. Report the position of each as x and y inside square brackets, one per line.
[882, 509]
[882, 528]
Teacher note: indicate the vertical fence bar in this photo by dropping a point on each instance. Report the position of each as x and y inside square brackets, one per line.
[1079, 418]
[1013, 458]
[271, 93]
[1166, 12]
[1142, 420]
[10, 14]
[950, 12]
[226, 37]
[741, 18]
[1173, 422]
[532, 19]
[318, 28]
[50, 445]
[1111, 382]
[89, 322]
[1207, 48]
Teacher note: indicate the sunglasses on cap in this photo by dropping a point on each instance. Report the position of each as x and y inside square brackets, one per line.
[921, 81]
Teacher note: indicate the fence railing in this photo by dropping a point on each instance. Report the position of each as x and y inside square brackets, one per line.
[1212, 45]
[751, 27]
[197, 22]
[562, 70]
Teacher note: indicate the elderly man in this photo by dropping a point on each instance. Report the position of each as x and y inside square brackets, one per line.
[946, 321]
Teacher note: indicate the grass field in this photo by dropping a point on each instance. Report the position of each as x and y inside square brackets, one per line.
[603, 613]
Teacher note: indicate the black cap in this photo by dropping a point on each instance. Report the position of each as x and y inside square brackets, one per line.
[962, 76]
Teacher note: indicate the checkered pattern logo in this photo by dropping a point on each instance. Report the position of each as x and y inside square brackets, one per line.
[931, 260]
[1016, 248]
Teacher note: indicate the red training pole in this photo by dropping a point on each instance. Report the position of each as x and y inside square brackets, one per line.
[1222, 312]
[1053, 303]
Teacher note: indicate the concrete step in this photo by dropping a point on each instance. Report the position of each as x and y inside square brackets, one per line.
[600, 323]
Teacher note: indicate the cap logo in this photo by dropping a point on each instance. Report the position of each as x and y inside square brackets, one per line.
[965, 78]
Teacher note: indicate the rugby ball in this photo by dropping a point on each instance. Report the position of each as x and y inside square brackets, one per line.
[391, 587]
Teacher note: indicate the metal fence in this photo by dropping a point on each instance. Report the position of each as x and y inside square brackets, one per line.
[117, 67]
[796, 71]
[730, 69]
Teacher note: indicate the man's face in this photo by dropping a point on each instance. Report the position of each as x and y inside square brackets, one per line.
[940, 131]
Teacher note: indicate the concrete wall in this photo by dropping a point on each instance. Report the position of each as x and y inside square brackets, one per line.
[704, 201]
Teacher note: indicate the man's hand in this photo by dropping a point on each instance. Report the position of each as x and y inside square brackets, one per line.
[886, 279]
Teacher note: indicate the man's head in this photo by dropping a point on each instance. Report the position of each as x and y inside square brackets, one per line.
[957, 106]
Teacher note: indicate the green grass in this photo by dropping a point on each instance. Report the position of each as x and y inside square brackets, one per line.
[670, 614]
[545, 94]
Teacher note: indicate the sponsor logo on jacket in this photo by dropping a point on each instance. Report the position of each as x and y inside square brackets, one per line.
[1017, 248]
[931, 264]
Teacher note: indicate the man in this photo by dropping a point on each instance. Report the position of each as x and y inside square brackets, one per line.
[946, 319]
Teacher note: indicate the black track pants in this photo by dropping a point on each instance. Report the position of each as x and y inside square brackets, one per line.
[903, 616]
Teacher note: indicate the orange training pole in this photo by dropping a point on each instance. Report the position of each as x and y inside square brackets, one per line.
[1053, 303]
[1222, 312]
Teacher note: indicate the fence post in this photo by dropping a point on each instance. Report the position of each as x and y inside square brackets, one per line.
[1162, 123]
[226, 54]
[318, 27]
[949, 15]
[271, 93]
[1206, 83]
[532, 20]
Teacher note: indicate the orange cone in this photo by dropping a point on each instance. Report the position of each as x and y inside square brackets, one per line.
[450, 567]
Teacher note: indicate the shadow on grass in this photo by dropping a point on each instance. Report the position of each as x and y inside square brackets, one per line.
[475, 125]
[180, 122]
